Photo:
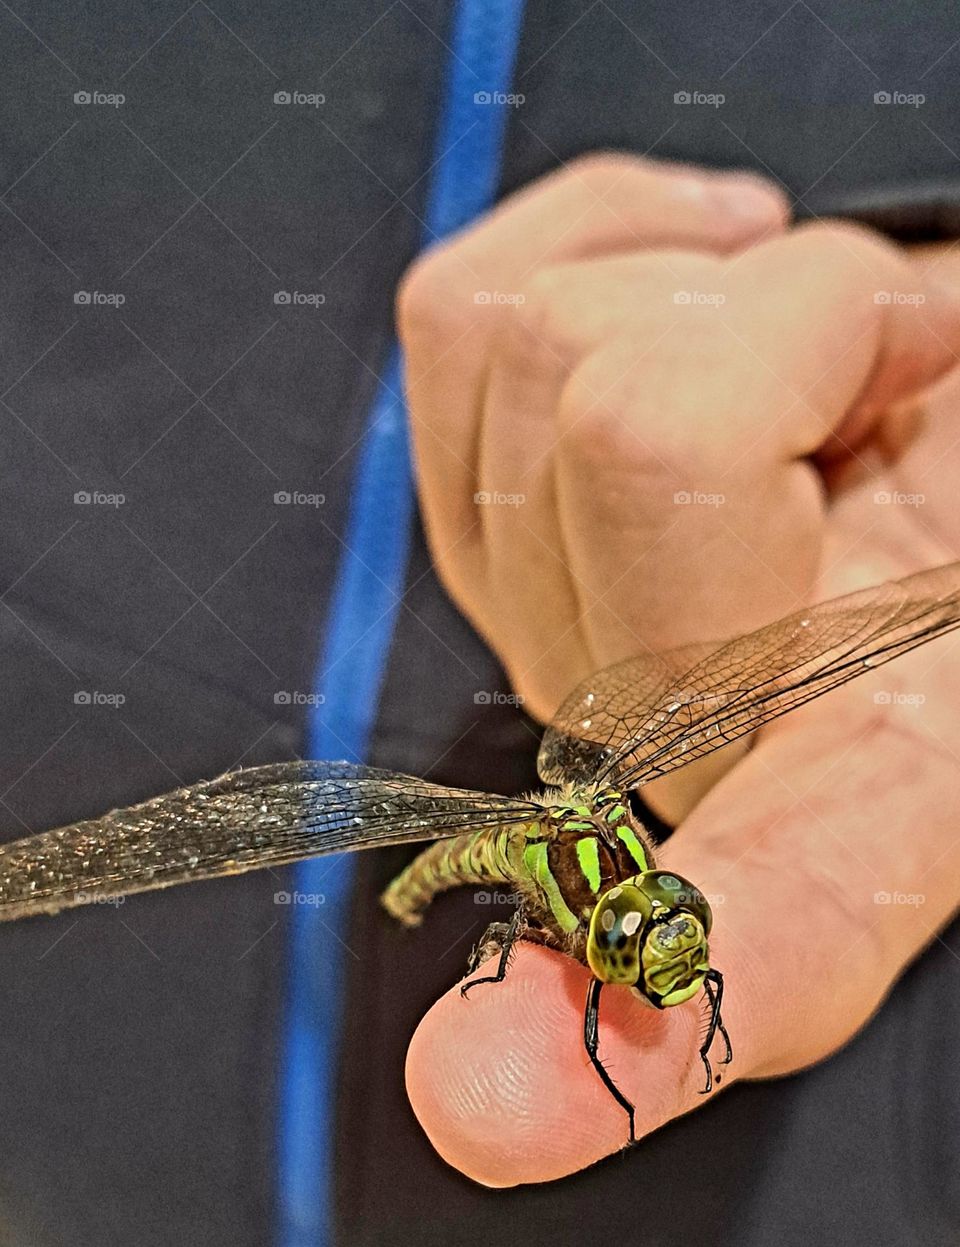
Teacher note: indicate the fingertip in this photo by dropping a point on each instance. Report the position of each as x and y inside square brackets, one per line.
[504, 1089]
[474, 1068]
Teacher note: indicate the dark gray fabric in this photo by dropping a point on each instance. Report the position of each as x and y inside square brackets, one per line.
[139, 1045]
[798, 82]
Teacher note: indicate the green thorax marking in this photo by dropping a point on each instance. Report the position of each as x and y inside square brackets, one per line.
[535, 861]
[628, 837]
[588, 855]
[588, 817]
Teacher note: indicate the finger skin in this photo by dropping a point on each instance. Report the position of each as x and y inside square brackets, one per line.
[594, 206]
[841, 802]
[502, 1084]
[794, 849]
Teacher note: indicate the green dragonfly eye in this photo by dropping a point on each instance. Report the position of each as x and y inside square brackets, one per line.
[650, 932]
[674, 892]
[617, 926]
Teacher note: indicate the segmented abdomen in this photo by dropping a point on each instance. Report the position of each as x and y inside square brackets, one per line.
[487, 856]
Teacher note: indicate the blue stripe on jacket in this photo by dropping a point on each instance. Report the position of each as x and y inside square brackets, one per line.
[364, 604]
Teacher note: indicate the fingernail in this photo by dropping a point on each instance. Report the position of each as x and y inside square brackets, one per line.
[748, 198]
[692, 187]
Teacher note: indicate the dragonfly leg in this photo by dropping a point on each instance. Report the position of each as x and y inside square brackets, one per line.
[713, 987]
[591, 1040]
[502, 935]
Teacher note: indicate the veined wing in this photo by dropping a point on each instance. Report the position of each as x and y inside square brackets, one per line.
[646, 716]
[264, 816]
[606, 710]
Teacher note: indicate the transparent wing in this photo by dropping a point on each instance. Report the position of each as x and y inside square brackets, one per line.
[601, 713]
[264, 816]
[646, 716]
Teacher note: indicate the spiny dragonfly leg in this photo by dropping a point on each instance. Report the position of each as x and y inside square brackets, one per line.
[591, 1040]
[713, 987]
[502, 935]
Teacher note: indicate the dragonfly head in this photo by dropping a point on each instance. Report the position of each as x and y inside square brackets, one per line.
[650, 932]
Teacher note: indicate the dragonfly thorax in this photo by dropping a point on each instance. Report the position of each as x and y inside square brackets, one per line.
[586, 843]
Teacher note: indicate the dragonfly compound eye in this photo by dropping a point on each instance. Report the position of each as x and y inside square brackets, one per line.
[674, 892]
[617, 928]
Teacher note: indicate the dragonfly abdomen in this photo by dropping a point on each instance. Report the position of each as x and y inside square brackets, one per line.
[487, 856]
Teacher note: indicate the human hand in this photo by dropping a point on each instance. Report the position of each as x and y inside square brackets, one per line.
[501, 1082]
[661, 448]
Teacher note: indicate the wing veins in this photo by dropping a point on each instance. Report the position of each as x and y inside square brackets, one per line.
[855, 663]
[684, 704]
[239, 822]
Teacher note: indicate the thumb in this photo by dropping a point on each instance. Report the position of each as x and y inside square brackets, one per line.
[502, 1084]
[501, 1081]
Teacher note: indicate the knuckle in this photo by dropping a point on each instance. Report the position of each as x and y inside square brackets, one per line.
[612, 415]
[543, 303]
[541, 331]
[449, 574]
[430, 294]
[415, 288]
[686, 411]
[453, 574]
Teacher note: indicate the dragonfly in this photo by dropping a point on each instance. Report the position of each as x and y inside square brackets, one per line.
[576, 855]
